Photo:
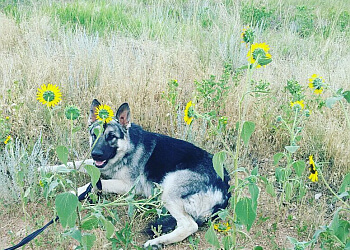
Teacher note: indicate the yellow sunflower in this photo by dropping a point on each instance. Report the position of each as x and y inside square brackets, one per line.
[312, 168]
[49, 95]
[259, 51]
[188, 117]
[317, 83]
[297, 105]
[104, 113]
[222, 227]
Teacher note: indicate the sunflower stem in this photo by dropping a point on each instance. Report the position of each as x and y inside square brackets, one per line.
[331, 190]
[347, 119]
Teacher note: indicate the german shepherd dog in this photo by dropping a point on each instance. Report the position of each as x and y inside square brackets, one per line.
[129, 156]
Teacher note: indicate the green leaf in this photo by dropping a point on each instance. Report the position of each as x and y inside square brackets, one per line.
[292, 149]
[346, 95]
[258, 248]
[227, 242]
[89, 223]
[76, 129]
[270, 190]
[211, 237]
[299, 167]
[245, 212]
[94, 173]
[62, 154]
[332, 100]
[345, 186]
[223, 214]
[277, 157]
[218, 163]
[109, 228]
[87, 241]
[288, 188]
[254, 193]
[255, 171]
[66, 205]
[74, 233]
[247, 131]
[340, 227]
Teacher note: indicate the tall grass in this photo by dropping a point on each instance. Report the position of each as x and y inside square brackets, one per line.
[120, 51]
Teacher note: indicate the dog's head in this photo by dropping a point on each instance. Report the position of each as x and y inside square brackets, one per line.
[113, 143]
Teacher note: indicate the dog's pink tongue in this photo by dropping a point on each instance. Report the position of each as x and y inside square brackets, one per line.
[99, 163]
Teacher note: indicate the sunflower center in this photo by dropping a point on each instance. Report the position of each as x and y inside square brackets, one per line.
[312, 169]
[48, 96]
[258, 53]
[103, 113]
[318, 84]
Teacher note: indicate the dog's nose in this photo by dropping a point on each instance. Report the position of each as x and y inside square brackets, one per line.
[96, 154]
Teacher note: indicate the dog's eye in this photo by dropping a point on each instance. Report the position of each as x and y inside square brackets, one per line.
[111, 137]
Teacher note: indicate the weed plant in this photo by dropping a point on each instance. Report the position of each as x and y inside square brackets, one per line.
[252, 119]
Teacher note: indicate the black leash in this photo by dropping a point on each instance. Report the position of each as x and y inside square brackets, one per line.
[30, 237]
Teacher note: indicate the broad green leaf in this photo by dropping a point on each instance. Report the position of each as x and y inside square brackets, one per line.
[109, 228]
[345, 186]
[292, 149]
[346, 95]
[62, 154]
[87, 241]
[218, 163]
[340, 227]
[94, 173]
[254, 193]
[247, 131]
[66, 205]
[299, 167]
[74, 232]
[332, 100]
[211, 237]
[245, 212]
[89, 223]
[277, 157]
[258, 248]
[280, 174]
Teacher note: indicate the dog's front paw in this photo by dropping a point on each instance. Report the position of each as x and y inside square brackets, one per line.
[152, 245]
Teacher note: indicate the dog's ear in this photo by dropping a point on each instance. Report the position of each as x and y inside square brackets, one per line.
[123, 114]
[92, 116]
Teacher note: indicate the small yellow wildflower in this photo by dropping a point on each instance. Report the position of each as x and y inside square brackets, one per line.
[317, 83]
[8, 138]
[297, 105]
[188, 117]
[7, 118]
[259, 51]
[104, 113]
[220, 227]
[49, 95]
[312, 168]
[41, 183]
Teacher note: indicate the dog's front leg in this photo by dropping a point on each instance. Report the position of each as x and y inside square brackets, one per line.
[79, 165]
[111, 186]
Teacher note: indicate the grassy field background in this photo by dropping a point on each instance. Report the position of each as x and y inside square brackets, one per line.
[128, 51]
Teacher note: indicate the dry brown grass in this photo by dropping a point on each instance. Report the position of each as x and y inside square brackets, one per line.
[116, 69]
